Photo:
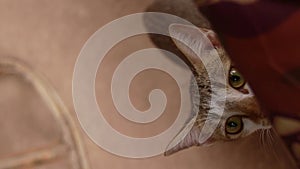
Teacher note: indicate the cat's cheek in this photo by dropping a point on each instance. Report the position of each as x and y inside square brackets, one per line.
[250, 127]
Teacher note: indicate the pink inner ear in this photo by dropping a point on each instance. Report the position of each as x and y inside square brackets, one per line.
[213, 37]
[191, 139]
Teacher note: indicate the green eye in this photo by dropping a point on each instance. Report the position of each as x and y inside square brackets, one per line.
[234, 125]
[236, 80]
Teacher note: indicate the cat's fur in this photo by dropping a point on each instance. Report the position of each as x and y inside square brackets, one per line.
[239, 102]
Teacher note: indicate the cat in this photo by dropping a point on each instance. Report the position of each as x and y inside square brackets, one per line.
[242, 114]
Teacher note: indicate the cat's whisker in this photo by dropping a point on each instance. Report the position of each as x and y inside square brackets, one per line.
[271, 135]
[273, 142]
[269, 141]
[264, 141]
[260, 138]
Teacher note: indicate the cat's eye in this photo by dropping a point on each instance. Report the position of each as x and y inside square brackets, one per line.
[234, 125]
[236, 80]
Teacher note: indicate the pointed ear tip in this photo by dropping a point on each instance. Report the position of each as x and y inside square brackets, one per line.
[168, 153]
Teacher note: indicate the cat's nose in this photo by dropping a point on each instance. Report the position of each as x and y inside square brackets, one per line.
[265, 123]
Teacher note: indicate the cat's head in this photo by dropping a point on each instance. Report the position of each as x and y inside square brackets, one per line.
[242, 115]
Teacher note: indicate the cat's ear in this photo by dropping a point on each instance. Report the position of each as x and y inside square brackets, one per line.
[188, 137]
[187, 37]
[183, 140]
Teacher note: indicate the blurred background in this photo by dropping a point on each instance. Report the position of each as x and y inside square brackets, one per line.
[49, 35]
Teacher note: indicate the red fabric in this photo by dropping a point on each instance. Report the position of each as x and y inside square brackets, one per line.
[263, 40]
[268, 62]
[267, 53]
